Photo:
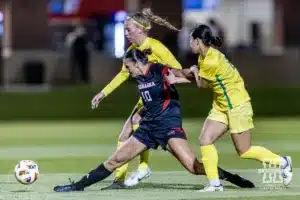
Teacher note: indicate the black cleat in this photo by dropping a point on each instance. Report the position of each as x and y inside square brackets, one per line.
[241, 182]
[114, 186]
[67, 188]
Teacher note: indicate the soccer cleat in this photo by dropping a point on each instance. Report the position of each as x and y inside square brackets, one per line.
[115, 186]
[138, 176]
[212, 188]
[240, 181]
[287, 171]
[67, 188]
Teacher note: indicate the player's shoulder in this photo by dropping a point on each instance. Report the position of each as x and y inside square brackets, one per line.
[154, 43]
[158, 68]
[213, 58]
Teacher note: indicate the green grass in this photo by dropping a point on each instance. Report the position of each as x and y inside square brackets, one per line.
[72, 148]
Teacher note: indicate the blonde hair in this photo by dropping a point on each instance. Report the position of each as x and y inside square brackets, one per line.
[143, 19]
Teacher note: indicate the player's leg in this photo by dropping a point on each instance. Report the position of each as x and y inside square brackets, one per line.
[240, 120]
[179, 147]
[129, 150]
[143, 170]
[127, 131]
[214, 126]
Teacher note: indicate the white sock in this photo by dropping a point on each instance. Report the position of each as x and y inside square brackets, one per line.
[215, 182]
[283, 163]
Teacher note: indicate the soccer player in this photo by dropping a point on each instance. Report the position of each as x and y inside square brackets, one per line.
[231, 109]
[137, 27]
[161, 125]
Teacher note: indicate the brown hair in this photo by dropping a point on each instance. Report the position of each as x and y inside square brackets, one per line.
[143, 19]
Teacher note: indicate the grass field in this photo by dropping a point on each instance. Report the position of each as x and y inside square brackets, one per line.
[71, 148]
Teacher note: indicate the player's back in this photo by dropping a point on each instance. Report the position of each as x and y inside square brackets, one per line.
[225, 80]
[160, 99]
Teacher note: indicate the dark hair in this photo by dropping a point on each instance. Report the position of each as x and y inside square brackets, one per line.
[137, 55]
[203, 32]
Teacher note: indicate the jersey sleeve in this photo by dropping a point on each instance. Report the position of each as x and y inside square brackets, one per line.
[120, 78]
[165, 54]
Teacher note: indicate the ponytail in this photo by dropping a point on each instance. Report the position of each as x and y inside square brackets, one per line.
[157, 19]
[216, 41]
[204, 33]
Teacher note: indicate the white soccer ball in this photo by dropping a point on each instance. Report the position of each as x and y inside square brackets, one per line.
[26, 172]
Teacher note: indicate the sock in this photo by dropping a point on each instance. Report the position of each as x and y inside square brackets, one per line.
[262, 154]
[224, 175]
[121, 171]
[144, 159]
[210, 161]
[93, 176]
[235, 179]
[215, 182]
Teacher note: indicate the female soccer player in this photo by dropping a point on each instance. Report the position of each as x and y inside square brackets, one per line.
[231, 109]
[161, 124]
[137, 27]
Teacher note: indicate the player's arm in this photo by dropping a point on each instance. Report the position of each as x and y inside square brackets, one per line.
[201, 82]
[187, 73]
[120, 78]
[173, 79]
[165, 54]
[169, 60]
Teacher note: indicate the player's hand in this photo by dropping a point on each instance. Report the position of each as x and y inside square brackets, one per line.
[194, 69]
[96, 100]
[171, 78]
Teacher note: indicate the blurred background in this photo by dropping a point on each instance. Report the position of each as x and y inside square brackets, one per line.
[56, 54]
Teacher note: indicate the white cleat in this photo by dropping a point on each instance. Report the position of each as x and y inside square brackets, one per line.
[138, 176]
[212, 188]
[287, 171]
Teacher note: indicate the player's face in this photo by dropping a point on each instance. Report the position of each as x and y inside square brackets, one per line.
[132, 68]
[194, 44]
[132, 31]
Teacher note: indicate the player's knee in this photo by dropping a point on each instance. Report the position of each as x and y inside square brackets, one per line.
[206, 139]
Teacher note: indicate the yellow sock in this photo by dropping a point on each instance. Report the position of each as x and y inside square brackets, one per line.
[144, 159]
[121, 171]
[210, 161]
[262, 154]
[134, 127]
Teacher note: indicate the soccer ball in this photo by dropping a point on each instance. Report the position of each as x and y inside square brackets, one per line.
[26, 172]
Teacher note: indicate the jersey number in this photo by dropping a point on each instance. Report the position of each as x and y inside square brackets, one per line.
[146, 96]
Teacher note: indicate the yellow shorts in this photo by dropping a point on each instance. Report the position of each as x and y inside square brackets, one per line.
[238, 119]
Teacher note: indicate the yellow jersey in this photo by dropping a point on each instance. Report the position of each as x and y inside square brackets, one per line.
[224, 79]
[160, 54]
